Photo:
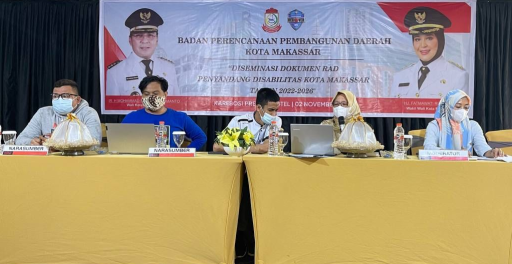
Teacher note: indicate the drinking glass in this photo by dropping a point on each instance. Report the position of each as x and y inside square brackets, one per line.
[178, 137]
[407, 144]
[283, 140]
[9, 137]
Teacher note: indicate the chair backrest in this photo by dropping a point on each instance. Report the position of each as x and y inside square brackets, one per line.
[500, 139]
[418, 137]
[104, 142]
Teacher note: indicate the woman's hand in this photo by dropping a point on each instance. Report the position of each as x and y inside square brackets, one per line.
[494, 153]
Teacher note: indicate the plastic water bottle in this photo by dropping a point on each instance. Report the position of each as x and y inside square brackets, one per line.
[399, 152]
[273, 139]
[160, 140]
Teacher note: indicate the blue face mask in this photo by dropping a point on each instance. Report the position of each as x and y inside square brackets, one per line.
[267, 118]
[62, 106]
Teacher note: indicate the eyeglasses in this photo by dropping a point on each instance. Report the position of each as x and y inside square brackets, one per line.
[336, 104]
[63, 96]
[141, 36]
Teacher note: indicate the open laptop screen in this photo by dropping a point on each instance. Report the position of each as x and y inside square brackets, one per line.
[312, 139]
[130, 138]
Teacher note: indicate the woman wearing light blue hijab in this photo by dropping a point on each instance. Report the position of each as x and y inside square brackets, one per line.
[452, 129]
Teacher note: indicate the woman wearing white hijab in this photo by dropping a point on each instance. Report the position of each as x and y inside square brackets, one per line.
[452, 129]
[344, 104]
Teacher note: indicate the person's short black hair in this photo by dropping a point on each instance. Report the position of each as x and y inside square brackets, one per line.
[67, 82]
[266, 95]
[149, 79]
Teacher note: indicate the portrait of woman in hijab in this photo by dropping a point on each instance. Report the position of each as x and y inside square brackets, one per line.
[432, 76]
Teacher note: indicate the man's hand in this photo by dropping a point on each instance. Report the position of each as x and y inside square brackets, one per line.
[38, 141]
[218, 147]
[260, 148]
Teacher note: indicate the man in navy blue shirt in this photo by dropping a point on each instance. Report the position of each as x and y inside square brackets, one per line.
[154, 92]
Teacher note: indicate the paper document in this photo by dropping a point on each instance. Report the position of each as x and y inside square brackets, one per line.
[300, 156]
[507, 159]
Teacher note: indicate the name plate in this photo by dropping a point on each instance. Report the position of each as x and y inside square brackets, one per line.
[172, 152]
[443, 155]
[25, 150]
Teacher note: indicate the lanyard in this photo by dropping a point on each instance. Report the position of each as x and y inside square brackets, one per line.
[260, 135]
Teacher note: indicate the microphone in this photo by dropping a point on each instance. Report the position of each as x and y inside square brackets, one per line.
[341, 120]
[341, 123]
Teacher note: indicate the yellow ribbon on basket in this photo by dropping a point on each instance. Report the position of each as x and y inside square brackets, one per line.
[71, 117]
[357, 118]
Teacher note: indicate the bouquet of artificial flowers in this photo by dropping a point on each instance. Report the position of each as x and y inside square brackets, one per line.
[235, 137]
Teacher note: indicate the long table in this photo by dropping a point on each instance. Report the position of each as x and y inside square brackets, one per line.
[340, 210]
[118, 209]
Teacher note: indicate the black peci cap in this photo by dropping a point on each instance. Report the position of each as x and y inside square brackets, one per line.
[424, 20]
[144, 20]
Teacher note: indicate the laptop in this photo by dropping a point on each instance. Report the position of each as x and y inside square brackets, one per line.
[314, 140]
[130, 138]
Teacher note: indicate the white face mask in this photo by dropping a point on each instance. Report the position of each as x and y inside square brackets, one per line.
[340, 111]
[267, 118]
[62, 106]
[459, 115]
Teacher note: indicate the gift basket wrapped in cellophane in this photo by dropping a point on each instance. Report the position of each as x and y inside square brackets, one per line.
[71, 137]
[357, 138]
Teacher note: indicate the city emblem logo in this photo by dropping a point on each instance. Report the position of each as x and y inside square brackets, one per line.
[296, 18]
[271, 21]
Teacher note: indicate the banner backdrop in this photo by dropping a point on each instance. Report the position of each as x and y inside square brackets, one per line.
[216, 55]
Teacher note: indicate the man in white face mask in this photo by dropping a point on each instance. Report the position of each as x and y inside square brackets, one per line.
[65, 99]
[154, 92]
[452, 128]
[258, 122]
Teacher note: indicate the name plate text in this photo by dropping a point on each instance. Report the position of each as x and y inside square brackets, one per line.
[443, 155]
[25, 150]
[172, 152]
